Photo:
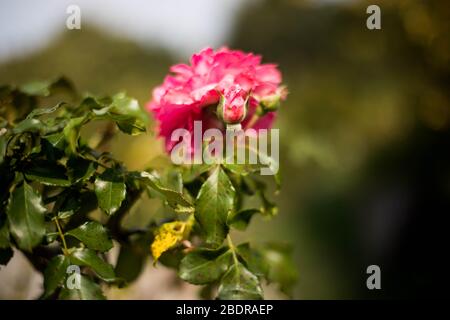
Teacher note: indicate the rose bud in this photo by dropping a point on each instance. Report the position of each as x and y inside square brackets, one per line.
[232, 107]
[272, 102]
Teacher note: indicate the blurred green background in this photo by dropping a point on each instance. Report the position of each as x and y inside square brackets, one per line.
[365, 132]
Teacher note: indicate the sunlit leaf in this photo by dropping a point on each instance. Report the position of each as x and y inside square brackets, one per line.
[88, 290]
[72, 131]
[238, 283]
[203, 266]
[43, 111]
[174, 198]
[26, 217]
[54, 274]
[254, 259]
[93, 235]
[87, 257]
[110, 190]
[213, 204]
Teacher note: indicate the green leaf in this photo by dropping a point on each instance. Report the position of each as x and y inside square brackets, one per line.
[214, 202]
[93, 103]
[79, 203]
[282, 269]
[129, 263]
[71, 204]
[45, 88]
[72, 131]
[123, 110]
[132, 118]
[29, 125]
[80, 169]
[239, 283]
[127, 123]
[133, 255]
[26, 217]
[241, 169]
[171, 258]
[48, 173]
[110, 190]
[5, 255]
[93, 235]
[241, 219]
[57, 140]
[268, 207]
[174, 198]
[190, 173]
[54, 274]
[42, 111]
[253, 259]
[203, 266]
[88, 290]
[174, 180]
[87, 257]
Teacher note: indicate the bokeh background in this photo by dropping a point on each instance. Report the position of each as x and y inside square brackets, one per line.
[365, 132]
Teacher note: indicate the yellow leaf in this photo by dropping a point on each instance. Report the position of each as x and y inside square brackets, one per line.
[170, 234]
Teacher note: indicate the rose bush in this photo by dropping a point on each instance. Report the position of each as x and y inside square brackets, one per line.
[53, 180]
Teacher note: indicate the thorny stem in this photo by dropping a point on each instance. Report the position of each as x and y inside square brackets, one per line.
[114, 223]
[61, 235]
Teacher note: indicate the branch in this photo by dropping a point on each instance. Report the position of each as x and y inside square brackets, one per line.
[115, 222]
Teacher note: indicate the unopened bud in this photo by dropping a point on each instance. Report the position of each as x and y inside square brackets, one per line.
[232, 107]
[272, 102]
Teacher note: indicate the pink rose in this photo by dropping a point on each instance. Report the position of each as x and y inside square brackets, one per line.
[192, 92]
